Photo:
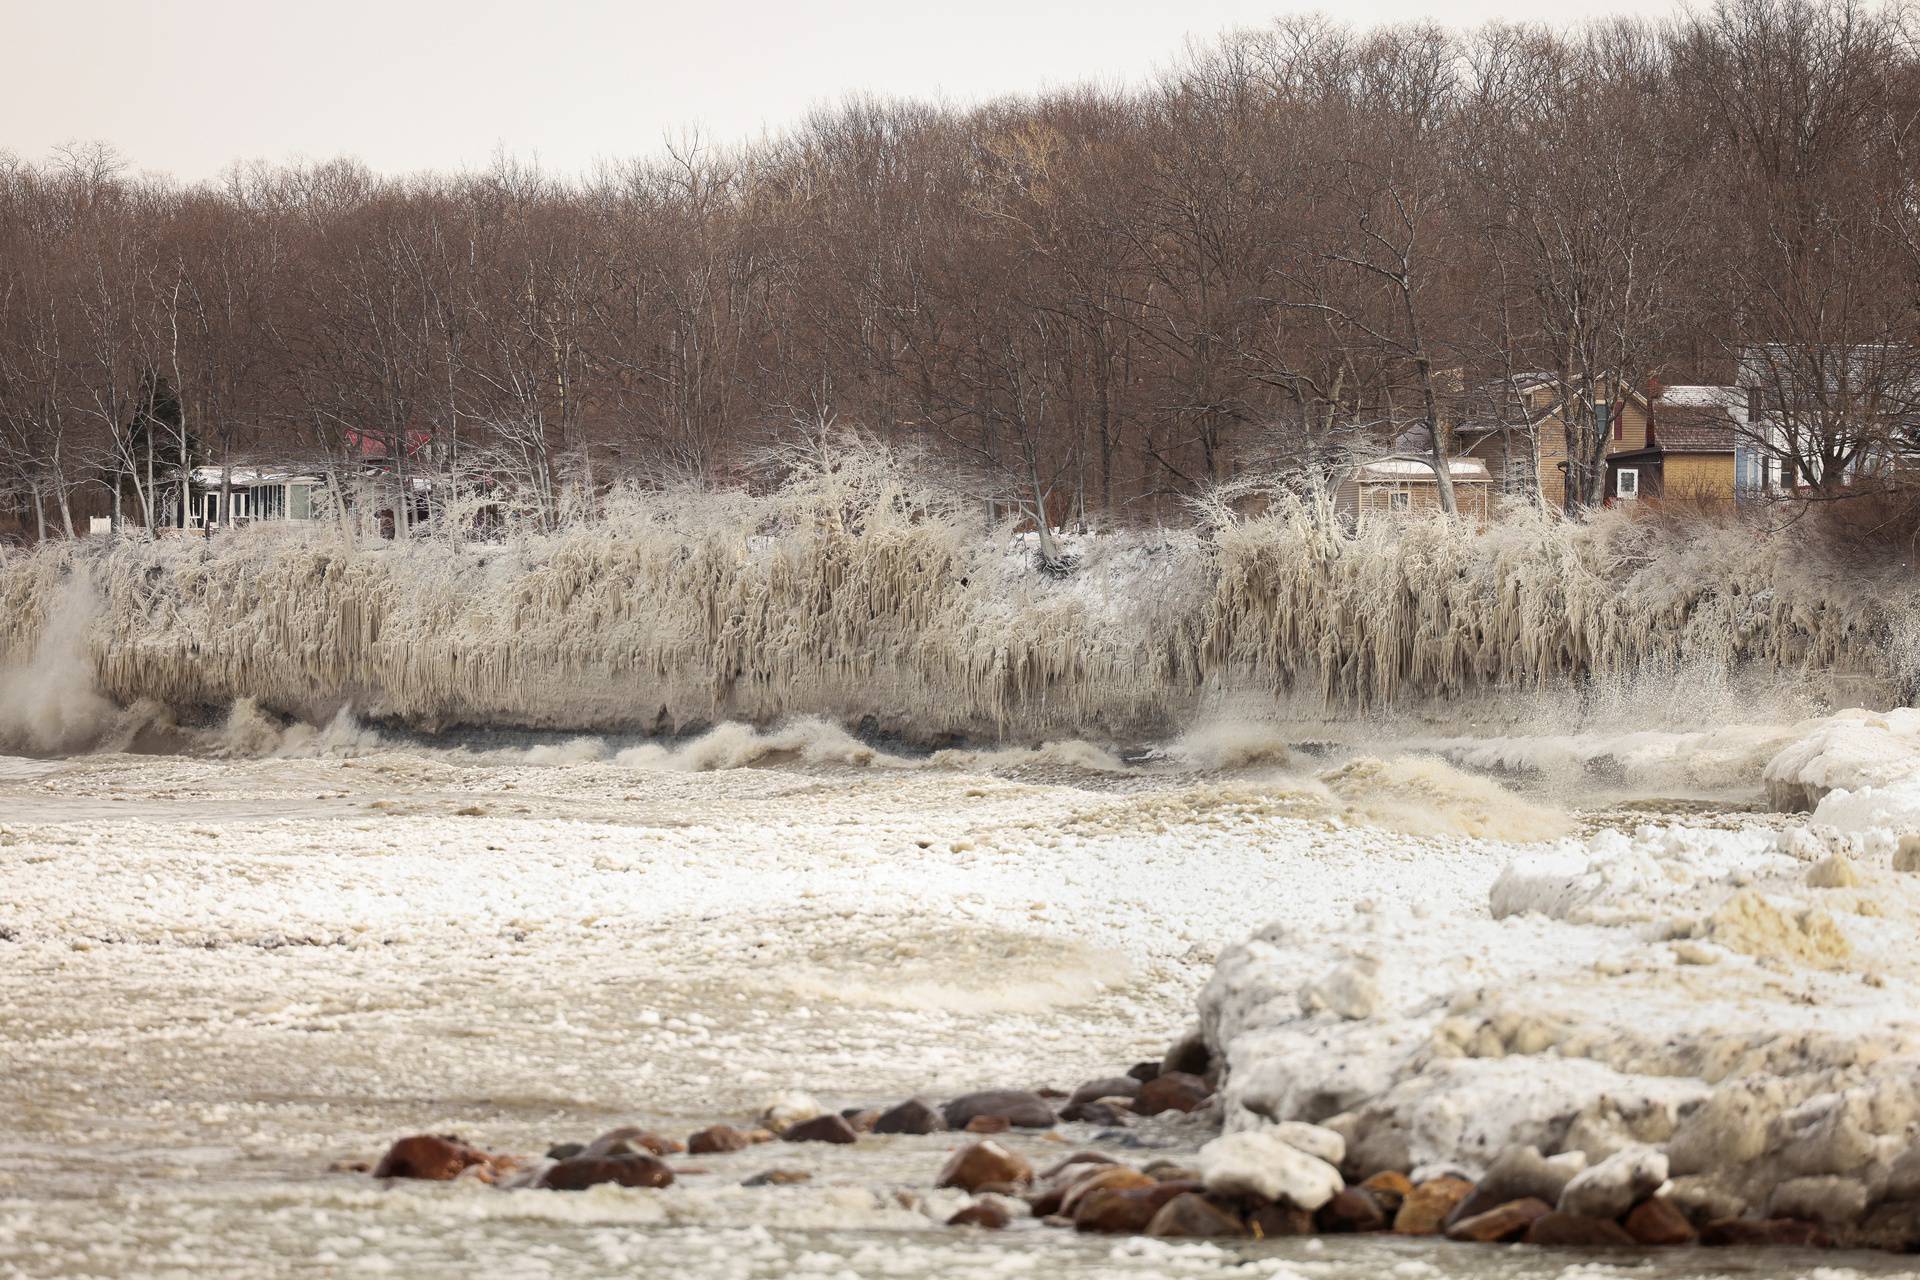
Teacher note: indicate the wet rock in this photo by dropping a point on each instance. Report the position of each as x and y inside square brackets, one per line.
[911, 1116]
[1351, 1210]
[1077, 1158]
[1109, 1087]
[630, 1141]
[1260, 1163]
[1574, 1231]
[788, 1110]
[778, 1178]
[1126, 1210]
[1172, 1091]
[1509, 1221]
[1426, 1207]
[974, 1166]
[581, 1172]
[1762, 1232]
[1094, 1113]
[1144, 1071]
[1659, 1223]
[1321, 1143]
[982, 1213]
[861, 1119]
[828, 1128]
[1519, 1173]
[1277, 1221]
[565, 1150]
[1189, 1055]
[988, 1124]
[434, 1157]
[1020, 1109]
[1171, 1171]
[1615, 1185]
[1389, 1187]
[1894, 1228]
[1831, 1201]
[718, 1139]
[1194, 1217]
[1702, 1199]
[1118, 1177]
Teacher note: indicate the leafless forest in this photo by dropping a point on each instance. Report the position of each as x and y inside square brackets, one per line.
[1295, 241]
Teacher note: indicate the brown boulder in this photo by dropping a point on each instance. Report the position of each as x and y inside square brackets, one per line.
[1351, 1210]
[981, 1213]
[718, 1139]
[1126, 1210]
[1101, 1113]
[630, 1141]
[1276, 1221]
[862, 1119]
[1018, 1108]
[1657, 1222]
[1508, 1222]
[827, 1128]
[1144, 1071]
[1389, 1188]
[1116, 1177]
[973, 1167]
[911, 1116]
[1108, 1087]
[582, 1172]
[988, 1124]
[1078, 1157]
[436, 1158]
[1777, 1232]
[1571, 1231]
[1193, 1216]
[1172, 1091]
[778, 1178]
[1188, 1056]
[1426, 1206]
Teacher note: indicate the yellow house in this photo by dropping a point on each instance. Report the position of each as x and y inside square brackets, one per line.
[1526, 452]
[1689, 448]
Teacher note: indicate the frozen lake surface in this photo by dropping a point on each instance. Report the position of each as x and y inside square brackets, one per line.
[220, 977]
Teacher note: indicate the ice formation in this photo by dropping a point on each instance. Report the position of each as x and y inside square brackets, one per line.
[1740, 1004]
[870, 602]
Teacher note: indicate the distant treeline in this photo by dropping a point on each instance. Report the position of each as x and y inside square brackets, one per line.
[1299, 239]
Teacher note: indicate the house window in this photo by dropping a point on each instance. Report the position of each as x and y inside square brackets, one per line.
[210, 506]
[1400, 500]
[1618, 420]
[1627, 484]
[299, 502]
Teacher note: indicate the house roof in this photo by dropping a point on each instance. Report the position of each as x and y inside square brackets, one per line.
[1699, 420]
[1401, 468]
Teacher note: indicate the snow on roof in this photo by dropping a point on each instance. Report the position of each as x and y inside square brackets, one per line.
[1705, 397]
[1405, 468]
[243, 476]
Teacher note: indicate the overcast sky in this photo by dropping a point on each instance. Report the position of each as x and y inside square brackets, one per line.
[189, 86]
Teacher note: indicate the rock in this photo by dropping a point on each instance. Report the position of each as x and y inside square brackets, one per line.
[1426, 1207]
[911, 1116]
[1172, 1091]
[1894, 1228]
[1659, 1223]
[1321, 1143]
[1833, 872]
[778, 1178]
[1829, 1200]
[1906, 855]
[436, 1158]
[1702, 1199]
[827, 1128]
[1189, 1055]
[861, 1119]
[1077, 1158]
[1389, 1187]
[1018, 1108]
[982, 1213]
[1574, 1231]
[1509, 1221]
[629, 1141]
[1110, 1087]
[1276, 1221]
[1100, 1113]
[565, 1150]
[1261, 1163]
[1194, 1217]
[1518, 1173]
[988, 1124]
[717, 1139]
[983, 1162]
[1171, 1171]
[1728, 1129]
[1116, 1177]
[1351, 1210]
[788, 1110]
[1144, 1071]
[1126, 1210]
[1769, 1232]
[1615, 1185]
[581, 1172]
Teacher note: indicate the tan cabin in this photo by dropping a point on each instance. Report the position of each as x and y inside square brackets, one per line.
[1525, 457]
[1404, 484]
[1689, 450]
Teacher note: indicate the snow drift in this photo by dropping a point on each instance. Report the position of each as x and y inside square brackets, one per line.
[869, 602]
